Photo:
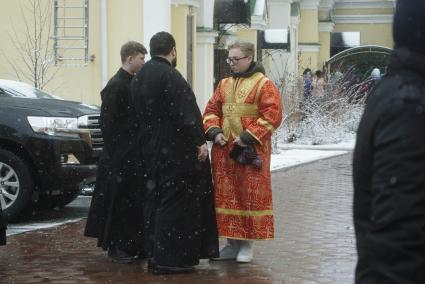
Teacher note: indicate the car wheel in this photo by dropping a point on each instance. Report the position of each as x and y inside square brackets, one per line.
[16, 185]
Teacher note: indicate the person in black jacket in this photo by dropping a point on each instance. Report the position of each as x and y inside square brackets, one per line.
[115, 215]
[389, 161]
[179, 209]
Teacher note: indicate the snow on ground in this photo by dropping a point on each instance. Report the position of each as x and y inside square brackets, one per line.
[295, 157]
[291, 155]
[13, 229]
[347, 146]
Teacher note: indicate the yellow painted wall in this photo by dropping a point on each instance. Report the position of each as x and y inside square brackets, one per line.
[248, 35]
[375, 34]
[194, 51]
[83, 83]
[324, 16]
[92, 83]
[325, 47]
[72, 83]
[387, 11]
[308, 60]
[10, 16]
[125, 22]
[79, 83]
[309, 26]
[178, 29]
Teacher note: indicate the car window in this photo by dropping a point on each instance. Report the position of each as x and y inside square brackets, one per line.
[26, 91]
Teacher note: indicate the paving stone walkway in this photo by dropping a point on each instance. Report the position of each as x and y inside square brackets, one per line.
[314, 242]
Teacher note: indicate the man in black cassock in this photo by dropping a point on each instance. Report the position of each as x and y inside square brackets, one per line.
[2, 229]
[179, 210]
[115, 215]
[389, 161]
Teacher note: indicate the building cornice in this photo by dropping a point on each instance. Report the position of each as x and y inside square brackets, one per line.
[364, 4]
[309, 4]
[363, 19]
[326, 27]
[206, 36]
[277, 2]
[303, 47]
[193, 3]
[327, 5]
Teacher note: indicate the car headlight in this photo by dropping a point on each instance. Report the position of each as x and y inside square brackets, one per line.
[57, 126]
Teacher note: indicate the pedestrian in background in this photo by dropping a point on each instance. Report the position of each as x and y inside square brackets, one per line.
[115, 217]
[375, 75]
[240, 118]
[308, 84]
[389, 161]
[179, 210]
[318, 84]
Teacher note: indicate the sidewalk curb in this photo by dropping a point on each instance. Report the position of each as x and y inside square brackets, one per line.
[284, 169]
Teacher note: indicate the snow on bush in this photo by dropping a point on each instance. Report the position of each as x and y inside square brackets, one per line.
[330, 119]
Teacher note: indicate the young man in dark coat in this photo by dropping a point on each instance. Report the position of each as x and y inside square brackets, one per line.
[179, 210]
[115, 213]
[389, 161]
[2, 229]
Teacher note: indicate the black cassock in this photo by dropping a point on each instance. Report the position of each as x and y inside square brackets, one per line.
[179, 212]
[2, 229]
[115, 215]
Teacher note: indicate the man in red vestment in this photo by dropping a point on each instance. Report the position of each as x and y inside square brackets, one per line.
[240, 118]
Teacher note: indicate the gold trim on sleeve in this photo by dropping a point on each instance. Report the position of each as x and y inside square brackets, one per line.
[266, 124]
[260, 86]
[210, 116]
[258, 213]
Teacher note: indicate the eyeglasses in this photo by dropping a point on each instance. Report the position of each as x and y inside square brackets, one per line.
[234, 60]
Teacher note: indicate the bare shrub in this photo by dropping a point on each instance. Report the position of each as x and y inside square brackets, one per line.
[330, 119]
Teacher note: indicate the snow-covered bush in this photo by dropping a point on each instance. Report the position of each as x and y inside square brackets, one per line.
[330, 119]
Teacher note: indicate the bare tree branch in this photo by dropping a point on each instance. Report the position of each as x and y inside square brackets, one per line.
[34, 44]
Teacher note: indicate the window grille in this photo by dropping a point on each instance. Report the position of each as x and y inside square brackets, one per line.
[71, 20]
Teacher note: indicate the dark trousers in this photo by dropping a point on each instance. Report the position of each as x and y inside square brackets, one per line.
[2, 237]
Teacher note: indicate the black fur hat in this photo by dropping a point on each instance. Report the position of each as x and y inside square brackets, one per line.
[409, 25]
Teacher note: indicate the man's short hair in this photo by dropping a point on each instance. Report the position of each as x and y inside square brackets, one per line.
[307, 70]
[246, 47]
[131, 48]
[161, 44]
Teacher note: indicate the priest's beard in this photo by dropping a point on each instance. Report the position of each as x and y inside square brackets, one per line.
[174, 62]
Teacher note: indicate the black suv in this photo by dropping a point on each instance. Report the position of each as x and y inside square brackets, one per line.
[49, 148]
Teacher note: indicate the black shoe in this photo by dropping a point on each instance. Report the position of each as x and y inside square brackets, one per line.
[161, 269]
[150, 264]
[120, 256]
